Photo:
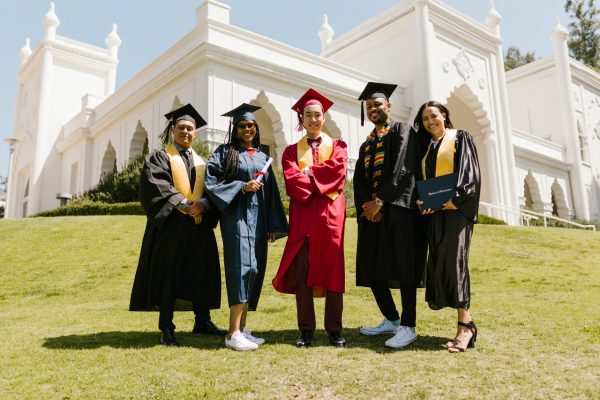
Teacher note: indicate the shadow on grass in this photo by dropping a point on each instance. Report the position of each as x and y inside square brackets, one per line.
[129, 340]
[143, 340]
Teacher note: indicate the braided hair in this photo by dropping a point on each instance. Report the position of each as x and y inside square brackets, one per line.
[232, 155]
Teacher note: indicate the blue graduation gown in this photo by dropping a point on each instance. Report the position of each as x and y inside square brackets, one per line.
[246, 220]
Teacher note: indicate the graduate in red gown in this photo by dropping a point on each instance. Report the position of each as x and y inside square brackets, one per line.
[312, 264]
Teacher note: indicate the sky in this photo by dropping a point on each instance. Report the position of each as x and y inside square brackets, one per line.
[147, 28]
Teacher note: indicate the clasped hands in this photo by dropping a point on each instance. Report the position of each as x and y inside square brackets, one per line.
[449, 205]
[195, 210]
[372, 211]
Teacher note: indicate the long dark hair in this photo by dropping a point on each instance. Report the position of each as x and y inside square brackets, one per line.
[423, 136]
[233, 152]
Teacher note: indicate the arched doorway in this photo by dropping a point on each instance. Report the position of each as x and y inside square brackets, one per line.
[272, 138]
[139, 141]
[467, 113]
[559, 202]
[532, 195]
[109, 161]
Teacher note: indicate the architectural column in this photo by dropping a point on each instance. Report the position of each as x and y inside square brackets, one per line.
[425, 42]
[8, 208]
[41, 145]
[113, 41]
[568, 127]
[506, 157]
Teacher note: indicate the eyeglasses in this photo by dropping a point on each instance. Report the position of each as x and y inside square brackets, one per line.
[248, 125]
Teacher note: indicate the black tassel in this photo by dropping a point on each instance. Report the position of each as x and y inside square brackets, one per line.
[362, 113]
[164, 136]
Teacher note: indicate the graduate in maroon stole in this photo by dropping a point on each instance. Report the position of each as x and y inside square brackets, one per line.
[312, 264]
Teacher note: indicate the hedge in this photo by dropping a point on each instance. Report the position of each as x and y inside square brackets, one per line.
[94, 208]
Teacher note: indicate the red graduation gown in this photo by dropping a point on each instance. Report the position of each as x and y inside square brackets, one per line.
[317, 218]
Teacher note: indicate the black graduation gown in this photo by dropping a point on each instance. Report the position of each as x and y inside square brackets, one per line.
[449, 232]
[179, 259]
[246, 220]
[393, 250]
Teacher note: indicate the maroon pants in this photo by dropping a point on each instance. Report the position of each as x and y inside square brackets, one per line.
[334, 301]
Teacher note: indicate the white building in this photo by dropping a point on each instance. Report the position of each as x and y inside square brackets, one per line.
[535, 127]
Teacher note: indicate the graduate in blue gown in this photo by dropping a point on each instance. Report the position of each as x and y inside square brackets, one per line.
[252, 215]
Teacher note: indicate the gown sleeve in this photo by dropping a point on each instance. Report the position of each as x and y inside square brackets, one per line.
[157, 193]
[468, 185]
[220, 193]
[359, 183]
[297, 185]
[276, 220]
[330, 175]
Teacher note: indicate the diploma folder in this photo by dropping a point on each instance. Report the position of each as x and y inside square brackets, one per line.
[435, 192]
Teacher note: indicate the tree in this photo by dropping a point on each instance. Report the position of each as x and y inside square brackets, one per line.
[514, 59]
[584, 39]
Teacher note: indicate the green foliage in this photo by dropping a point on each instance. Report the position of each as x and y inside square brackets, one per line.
[513, 58]
[1, 211]
[88, 207]
[201, 148]
[118, 186]
[486, 220]
[584, 39]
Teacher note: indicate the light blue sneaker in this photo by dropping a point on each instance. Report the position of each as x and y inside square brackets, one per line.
[403, 336]
[385, 327]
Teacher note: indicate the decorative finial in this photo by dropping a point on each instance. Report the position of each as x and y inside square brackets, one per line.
[113, 39]
[326, 33]
[25, 52]
[50, 22]
[493, 17]
[559, 31]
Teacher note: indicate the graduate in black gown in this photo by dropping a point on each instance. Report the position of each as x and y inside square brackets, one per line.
[449, 230]
[391, 242]
[241, 184]
[178, 267]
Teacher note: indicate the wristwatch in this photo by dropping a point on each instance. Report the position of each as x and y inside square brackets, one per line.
[378, 201]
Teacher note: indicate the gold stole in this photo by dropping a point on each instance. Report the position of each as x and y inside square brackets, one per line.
[444, 163]
[181, 180]
[305, 157]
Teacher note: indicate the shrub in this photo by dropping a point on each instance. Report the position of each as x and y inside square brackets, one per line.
[486, 220]
[87, 207]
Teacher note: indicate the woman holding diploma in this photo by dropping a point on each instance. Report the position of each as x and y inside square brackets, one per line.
[240, 182]
[449, 230]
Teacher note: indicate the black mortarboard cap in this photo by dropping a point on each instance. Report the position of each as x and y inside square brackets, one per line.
[243, 112]
[374, 90]
[187, 113]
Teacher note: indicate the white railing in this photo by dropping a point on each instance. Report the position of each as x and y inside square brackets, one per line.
[525, 216]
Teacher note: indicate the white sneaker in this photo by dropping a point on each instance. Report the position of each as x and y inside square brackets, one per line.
[240, 343]
[403, 336]
[384, 327]
[253, 339]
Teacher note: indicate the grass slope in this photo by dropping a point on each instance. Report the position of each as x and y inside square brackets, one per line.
[66, 333]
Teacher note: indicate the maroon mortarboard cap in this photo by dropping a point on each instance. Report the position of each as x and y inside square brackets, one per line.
[312, 97]
[374, 90]
[309, 98]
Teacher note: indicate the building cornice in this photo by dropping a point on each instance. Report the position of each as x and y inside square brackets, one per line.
[369, 27]
[542, 159]
[585, 74]
[455, 22]
[532, 68]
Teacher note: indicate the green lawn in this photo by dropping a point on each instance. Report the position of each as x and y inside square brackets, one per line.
[65, 331]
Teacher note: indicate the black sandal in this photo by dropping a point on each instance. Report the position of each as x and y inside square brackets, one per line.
[457, 343]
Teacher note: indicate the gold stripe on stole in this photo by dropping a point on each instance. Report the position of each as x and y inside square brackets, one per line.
[181, 180]
[305, 158]
[444, 163]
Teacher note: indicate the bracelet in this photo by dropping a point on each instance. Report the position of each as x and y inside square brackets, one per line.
[378, 201]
